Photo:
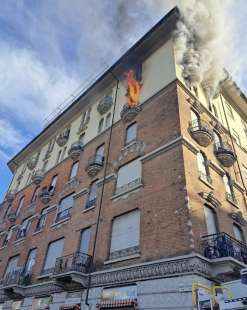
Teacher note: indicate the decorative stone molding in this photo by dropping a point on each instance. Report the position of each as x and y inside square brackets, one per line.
[238, 217]
[210, 199]
[194, 264]
[75, 150]
[128, 187]
[196, 105]
[12, 216]
[128, 113]
[69, 186]
[105, 104]
[37, 177]
[45, 196]
[85, 120]
[125, 252]
[10, 196]
[201, 132]
[32, 162]
[63, 137]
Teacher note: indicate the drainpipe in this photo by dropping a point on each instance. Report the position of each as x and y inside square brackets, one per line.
[102, 191]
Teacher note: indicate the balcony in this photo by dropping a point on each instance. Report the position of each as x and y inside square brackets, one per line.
[63, 215]
[12, 216]
[201, 132]
[128, 113]
[95, 164]
[71, 270]
[75, 150]
[46, 195]
[222, 248]
[37, 177]
[10, 196]
[224, 153]
[13, 283]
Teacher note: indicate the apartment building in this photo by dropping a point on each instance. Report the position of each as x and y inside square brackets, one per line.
[116, 205]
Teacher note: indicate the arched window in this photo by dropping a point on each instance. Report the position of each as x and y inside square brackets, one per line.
[108, 120]
[195, 120]
[203, 167]
[211, 220]
[238, 233]
[101, 123]
[92, 195]
[74, 169]
[228, 187]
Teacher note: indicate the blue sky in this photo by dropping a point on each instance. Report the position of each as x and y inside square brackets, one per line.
[50, 48]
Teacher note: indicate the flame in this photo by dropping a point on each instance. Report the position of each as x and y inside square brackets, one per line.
[133, 90]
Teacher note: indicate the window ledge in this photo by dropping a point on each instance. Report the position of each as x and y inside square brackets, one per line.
[38, 232]
[44, 276]
[128, 190]
[19, 240]
[206, 183]
[3, 247]
[122, 259]
[64, 221]
[88, 209]
[232, 203]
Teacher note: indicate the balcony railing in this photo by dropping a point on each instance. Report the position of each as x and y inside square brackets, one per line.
[222, 245]
[224, 153]
[95, 163]
[62, 215]
[76, 262]
[201, 132]
[16, 277]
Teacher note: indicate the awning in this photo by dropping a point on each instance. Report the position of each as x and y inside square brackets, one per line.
[70, 307]
[125, 304]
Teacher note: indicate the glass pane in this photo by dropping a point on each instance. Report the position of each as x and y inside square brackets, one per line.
[12, 264]
[66, 203]
[30, 261]
[131, 133]
[74, 170]
[85, 240]
[210, 221]
[93, 191]
[100, 150]
[129, 173]
[55, 250]
[238, 233]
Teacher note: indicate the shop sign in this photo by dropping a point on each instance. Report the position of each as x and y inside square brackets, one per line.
[120, 293]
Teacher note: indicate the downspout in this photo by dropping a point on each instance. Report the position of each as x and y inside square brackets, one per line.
[102, 191]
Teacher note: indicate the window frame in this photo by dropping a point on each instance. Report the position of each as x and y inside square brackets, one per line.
[127, 142]
[27, 260]
[47, 251]
[76, 163]
[215, 215]
[68, 210]
[43, 213]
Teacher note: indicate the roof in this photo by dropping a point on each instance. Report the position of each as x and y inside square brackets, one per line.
[152, 40]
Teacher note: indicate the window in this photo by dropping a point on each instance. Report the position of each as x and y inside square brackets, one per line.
[52, 186]
[55, 250]
[58, 156]
[244, 169]
[211, 220]
[7, 237]
[129, 176]
[50, 146]
[65, 207]
[44, 168]
[12, 264]
[236, 137]
[30, 262]
[74, 170]
[229, 110]
[29, 178]
[99, 155]
[23, 230]
[100, 126]
[217, 139]
[82, 138]
[35, 195]
[92, 196]
[20, 205]
[131, 132]
[63, 153]
[195, 120]
[238, 233]
[108, 120]
[42, 220]
[215, 111]
[203, 167]
[228, 187]
[125, 233]
[85, 240]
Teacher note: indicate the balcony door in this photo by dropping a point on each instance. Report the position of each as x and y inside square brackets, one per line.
[12, 264]
[211, 221]
[30, 261]
[85, 240]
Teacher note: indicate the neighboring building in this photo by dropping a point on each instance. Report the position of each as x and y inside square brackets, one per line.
[149, 190]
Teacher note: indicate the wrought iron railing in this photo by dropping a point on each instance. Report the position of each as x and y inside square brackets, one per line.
[16, 277]
[223, 245]
[62, 215]
[200, 125]
[78, 261]
[223, 147]
[96, 160]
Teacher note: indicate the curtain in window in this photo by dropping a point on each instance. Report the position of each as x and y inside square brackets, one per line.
[125, 231]
[55, 250]
[129, 173]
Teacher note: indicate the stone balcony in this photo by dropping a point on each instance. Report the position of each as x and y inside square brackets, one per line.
[225, 154]
[201, 132]
[128, 113]
[95, 164]
[37, 177]
[75, 150]
[45, 195]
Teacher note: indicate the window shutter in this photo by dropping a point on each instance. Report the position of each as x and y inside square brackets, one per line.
[55, 250]
[210, 220]
[125, 231]
[129, 173]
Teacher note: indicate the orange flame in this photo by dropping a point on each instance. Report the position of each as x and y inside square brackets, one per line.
[134, 89]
